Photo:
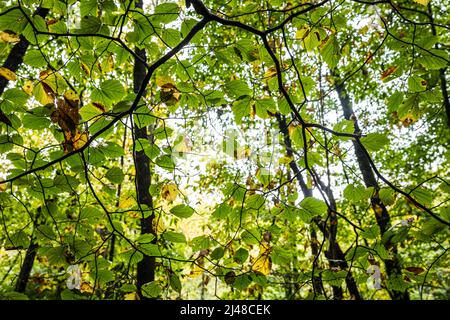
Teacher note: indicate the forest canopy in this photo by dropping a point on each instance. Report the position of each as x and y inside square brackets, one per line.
[224, 149]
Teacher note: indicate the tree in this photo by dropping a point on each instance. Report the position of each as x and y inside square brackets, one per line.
[232, 149]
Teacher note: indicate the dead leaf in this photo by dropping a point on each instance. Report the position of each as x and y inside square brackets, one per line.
[415, 270]
[386, 73]
[9, 37]
[169, 192]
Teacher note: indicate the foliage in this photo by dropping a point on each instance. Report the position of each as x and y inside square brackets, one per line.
[294, 148]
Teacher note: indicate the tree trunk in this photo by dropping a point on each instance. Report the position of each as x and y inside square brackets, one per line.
[27, 265]
[393, 267]
[337, 257]
[442, 76]
[15, 59]
[146, 267]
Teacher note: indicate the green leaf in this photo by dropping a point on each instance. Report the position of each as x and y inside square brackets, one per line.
[174, 237]
[422, 195]
[14, 20]
[200, 243]
[171, 37]
[182, 211]
[175, 283]
[128, 287]
[131, 257]
[331, 52]
[35, 59]
[222, 211]
[354, 193]
[89, 24]
[242, 281]
[387, 196]
[314, 206]
[334, 278]
[89, 112]
[45, 232]
[110, 91]
[374, 141]
[166, 12]
[344, 126]
[115, 175]
[217, 253]
[312, 39]
[416, 84]
[150, 249]
[145, 238]
[281, 256]
[36, 122]
[165, 162]
[263, 106]
[151, 290]
[381, 251]
[255, 201]
[238, 89]
[283, 106]
[395, 100]
[371, 233]
[241, 255]
[55, 255]
[111, 150]
[241, 108]
[437, 60]
[150, 149]
[88, 7]
[251, 236]
[103, 276]
[397, 283]
[17, 240]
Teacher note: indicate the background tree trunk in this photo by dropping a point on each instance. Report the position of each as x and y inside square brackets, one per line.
[146, 267]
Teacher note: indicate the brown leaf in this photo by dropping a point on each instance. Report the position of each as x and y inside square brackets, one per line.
[386, 73]
[415, 270]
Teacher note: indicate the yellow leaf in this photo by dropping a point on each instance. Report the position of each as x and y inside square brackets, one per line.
[263, 264]
[158, 225]
[3, 187]
[126, 203]
[378, 210]
[8, 74]
[80, 140]
[185, 145]
[422, 2]
[86, 287]
[71, 95]
[285, 160]
[270, 72]
[43, 75]
[169, 192]
[196, 271]
[43, 93]
[28, 87]
[301, 33]
[9, 37]
[163, 80]
[130, 296]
